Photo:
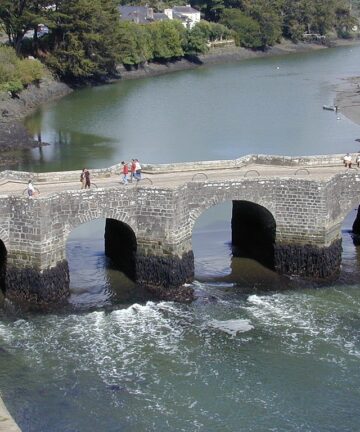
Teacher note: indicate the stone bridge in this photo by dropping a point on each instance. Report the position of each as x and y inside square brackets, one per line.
[287, 214]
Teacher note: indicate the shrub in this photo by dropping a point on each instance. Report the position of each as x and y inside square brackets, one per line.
[12, 86]
[8, 55]
[16, 73]
[30, 71]
[7, 72]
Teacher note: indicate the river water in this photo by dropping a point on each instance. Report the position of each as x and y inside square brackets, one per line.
[255, 351]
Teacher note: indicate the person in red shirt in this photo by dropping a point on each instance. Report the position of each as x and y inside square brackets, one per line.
[133, 170]
[125, 172]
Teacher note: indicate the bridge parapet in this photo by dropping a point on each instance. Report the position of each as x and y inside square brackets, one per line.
[274, 160]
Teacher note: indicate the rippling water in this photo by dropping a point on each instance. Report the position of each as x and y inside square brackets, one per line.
[259, 362]
[240, 358]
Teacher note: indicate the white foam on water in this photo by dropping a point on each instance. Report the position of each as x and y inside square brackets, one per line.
[306, 321]
[232, 327]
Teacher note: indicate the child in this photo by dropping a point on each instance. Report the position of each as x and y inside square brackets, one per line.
[125, 172]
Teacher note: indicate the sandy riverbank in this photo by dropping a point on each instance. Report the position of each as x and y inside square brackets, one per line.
[348, 98]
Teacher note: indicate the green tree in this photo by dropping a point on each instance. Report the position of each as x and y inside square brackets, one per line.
[195, 41]
[19, 16]
[167, 37]
[214, 31]
[267, 13]
[84, 40]
[134, 43]
[247, 30]
[344, 20]
[296, 21]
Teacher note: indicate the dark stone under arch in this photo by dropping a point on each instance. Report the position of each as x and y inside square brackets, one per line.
[121, 246]
[3, 256]
[356, 229]
[253, 231]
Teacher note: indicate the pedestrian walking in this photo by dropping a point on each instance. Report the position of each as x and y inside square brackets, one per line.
[30, 189]
[87, 178]
[125, 172]
[82, 178]
[347, 160]
[132, 170]
[137, 169]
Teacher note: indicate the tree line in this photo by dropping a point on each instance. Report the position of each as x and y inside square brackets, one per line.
[87, 39]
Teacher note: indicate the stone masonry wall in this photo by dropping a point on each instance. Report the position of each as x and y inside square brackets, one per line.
[163, 219]
[307, 213]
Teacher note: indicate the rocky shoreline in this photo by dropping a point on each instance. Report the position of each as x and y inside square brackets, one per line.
[14, 136]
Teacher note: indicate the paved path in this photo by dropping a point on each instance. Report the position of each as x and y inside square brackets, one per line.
[174, 179]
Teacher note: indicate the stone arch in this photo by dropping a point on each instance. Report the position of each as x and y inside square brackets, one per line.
[121, 246]
[3, 259]
[120, 236]
[196, 212]
[342, 196]
[99, 213]
[4, 236]
[253, 227]
[253, 232]
[346, 208]
[351, 224]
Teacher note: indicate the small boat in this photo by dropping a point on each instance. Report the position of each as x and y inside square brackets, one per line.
[330, 107]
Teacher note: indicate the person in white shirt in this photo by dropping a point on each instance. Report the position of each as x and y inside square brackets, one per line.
[137, 169]
[30, 189]
[347, 160]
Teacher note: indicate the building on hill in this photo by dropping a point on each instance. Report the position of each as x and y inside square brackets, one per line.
[186, 14]
[136, 14]
[160, 16]
[145, 15]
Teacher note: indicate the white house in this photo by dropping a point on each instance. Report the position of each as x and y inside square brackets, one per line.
[186, 14]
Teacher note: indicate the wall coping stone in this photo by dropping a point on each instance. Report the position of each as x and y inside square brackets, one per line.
[276, 160]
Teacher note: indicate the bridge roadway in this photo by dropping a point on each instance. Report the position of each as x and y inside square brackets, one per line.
[177, 178]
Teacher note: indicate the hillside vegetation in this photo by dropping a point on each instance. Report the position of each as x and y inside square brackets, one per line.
[87, 39]
[16, 73]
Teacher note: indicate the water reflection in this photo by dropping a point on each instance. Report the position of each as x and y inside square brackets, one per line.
[82, 148]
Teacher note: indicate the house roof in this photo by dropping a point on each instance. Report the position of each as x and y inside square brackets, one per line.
[160, 16]
[139, 14]
[185, 9]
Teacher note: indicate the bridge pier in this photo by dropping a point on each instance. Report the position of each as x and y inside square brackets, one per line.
[165, 275]
[159, 265]
[39, 288]
[309, 261]
[35, 271]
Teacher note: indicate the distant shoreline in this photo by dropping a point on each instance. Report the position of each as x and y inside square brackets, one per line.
[217, 56]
